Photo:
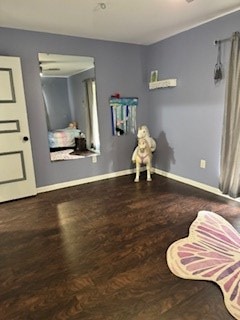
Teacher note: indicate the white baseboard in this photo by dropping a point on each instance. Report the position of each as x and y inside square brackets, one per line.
[84, 180]
[131, 171]
[194, 183]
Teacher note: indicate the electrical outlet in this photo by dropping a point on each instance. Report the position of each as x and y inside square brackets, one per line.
[203, 164]
[94, 159]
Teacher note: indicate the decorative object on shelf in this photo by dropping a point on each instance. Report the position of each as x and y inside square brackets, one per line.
[163, 84]
[123, 113]
[142, 155]
[154, 76]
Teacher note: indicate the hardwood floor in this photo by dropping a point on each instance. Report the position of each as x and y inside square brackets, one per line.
[98, 252]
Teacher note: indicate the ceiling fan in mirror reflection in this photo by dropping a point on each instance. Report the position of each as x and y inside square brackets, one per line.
[70, 101]
[63, 65]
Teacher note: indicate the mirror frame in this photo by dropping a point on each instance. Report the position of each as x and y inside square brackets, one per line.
[70, 102]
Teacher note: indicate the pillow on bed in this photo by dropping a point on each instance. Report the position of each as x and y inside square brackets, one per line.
[63, 138]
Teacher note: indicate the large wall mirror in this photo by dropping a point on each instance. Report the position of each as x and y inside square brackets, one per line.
[70, 101]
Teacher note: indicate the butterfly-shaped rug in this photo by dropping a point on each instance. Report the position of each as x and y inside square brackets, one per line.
[210, 252]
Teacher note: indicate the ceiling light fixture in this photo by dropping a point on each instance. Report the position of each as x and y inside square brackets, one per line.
[189, 1]
[102, 5]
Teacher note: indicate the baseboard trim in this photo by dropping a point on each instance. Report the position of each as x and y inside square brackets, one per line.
[187, 181]
[84, 180]
[193, 183]
[166, 174]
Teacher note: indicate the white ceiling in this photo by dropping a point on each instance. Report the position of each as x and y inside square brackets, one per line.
[131, 21]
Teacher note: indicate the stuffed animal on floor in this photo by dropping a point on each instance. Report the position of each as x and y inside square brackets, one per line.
[143, 133]
[142, 155]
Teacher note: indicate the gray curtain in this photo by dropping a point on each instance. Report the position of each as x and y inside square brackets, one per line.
[46, 109]
[92, 127]
[230, 152]
[89, 111]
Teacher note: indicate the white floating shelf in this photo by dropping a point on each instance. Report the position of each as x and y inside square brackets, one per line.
[163, 84]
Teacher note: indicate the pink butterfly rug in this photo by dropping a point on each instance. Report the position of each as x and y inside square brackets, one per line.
[210, 252]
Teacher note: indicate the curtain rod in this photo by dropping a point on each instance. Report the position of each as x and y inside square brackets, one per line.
[222, 40]
[226, 39]
[85, 80]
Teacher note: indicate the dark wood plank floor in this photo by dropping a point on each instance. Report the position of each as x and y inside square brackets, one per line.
[98, 252]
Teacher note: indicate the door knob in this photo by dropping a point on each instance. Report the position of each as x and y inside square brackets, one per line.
[25, 138]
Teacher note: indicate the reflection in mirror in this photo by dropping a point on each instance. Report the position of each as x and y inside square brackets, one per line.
[69, 95]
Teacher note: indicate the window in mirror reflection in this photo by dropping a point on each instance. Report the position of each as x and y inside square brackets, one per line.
[70, 102]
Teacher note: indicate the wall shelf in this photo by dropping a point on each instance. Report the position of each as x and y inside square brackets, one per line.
[163, 84]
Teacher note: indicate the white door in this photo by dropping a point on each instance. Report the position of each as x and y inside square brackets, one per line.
[17, 178]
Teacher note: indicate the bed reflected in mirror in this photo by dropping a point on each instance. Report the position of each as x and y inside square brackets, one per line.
[70, 102]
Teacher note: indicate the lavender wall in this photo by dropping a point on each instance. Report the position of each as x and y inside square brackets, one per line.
[57, 102]
[119, 68]
[77, 96]
[187, 119]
